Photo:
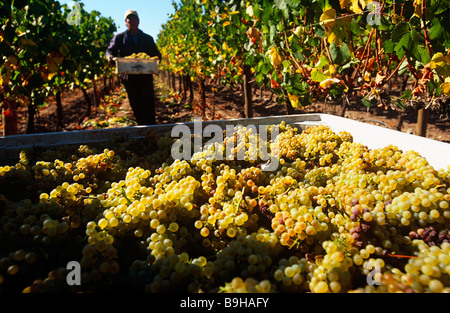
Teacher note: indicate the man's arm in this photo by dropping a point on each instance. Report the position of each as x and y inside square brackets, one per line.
[153, 49]
[112, 50]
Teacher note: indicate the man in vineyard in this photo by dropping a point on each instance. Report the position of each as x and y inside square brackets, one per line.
[139, 87]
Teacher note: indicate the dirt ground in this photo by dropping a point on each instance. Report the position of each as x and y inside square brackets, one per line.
[226, 103]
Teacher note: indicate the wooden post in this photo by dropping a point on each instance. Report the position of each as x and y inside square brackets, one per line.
[248, 102]
[422, 122]
[30, 121]
[191, 91]
[9, 116]
[96, 96]
[202, 96]
[173, 85]
[400, 119]
[59, 111]
[89, 106]
[344, 104]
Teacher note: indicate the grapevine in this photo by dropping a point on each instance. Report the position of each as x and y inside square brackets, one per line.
[349, 52]
[44, 54]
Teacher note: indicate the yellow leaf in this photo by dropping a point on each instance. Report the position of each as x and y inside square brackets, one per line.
[50, 76]
[328, 17]
[355, 6]
[225, 46]
[294, 101]
[367, 77]
[441, 64]
[330, 71]
[275, 58]
[328, 82]
[331, 37]
[226, 23]
[437, 60]
[446, 89]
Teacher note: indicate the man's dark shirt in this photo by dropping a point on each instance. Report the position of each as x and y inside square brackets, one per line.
[139, 87]
[123, 45]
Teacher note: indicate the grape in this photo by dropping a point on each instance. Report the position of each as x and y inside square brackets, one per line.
[138, 220]
[140, 55]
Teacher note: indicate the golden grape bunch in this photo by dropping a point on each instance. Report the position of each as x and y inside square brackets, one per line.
[335, 217]
[140, 55]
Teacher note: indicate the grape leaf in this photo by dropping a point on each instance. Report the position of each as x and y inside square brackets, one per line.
[440, 64]
[445, 87]
[318, 76]
[339, 54]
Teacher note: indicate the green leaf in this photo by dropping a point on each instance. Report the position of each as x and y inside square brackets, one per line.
[318, 76]
[416, 36]
[407, 94]
[299, 55]
[385, 24]
[367, 103]
[436, 30]
[389, 46]
[320, 32]
[399, 103]
[403, 45]
[356, 29]
[323, 61]
[282, 5]
[339, 54]
[423, 54]
[399, 31]
[273, 32]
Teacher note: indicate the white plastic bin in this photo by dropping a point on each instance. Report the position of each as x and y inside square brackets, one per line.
[437, 153]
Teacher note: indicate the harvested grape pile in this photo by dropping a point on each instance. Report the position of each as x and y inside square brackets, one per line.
[334, 217]
[141, 55]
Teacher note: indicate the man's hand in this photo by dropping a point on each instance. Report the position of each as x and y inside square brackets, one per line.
[110, 59]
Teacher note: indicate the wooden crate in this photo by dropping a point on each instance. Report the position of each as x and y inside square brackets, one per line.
[136, 66]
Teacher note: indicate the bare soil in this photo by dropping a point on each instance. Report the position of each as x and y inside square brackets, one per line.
[226, 103]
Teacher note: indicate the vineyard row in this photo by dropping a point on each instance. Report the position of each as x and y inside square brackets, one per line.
[306, 50]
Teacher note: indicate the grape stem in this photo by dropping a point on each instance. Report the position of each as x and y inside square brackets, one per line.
[125, 196]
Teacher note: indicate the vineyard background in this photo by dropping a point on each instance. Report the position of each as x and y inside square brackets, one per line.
[114, 111]
[387, 63]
